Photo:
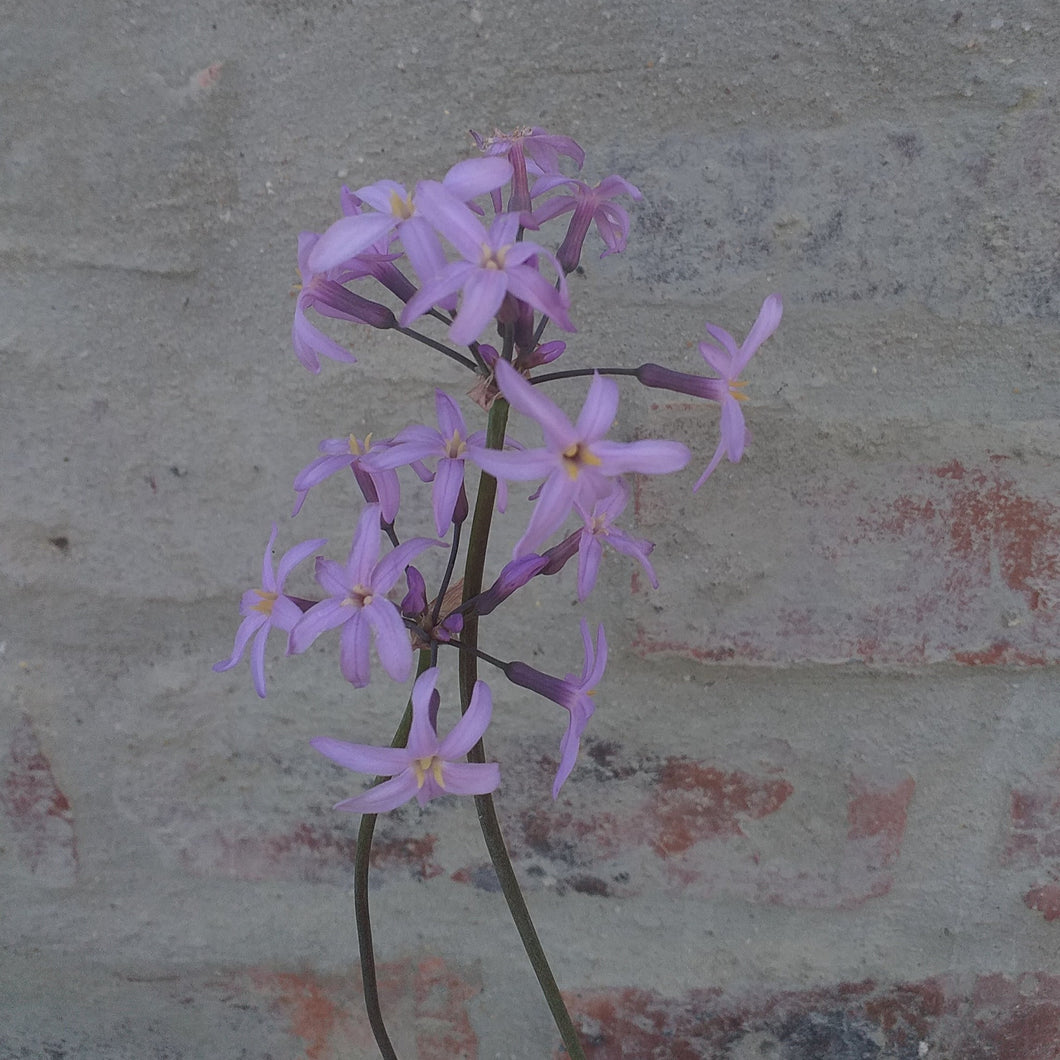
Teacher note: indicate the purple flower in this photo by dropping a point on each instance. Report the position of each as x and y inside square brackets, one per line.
[396, 209]
[727, 390]
[729, 363]
[600, 530]
[541, 147]
[376, 485]
[574, 694]
[450, 443]
[589, 205]
[357, 601]
[426, 767]
[317, 291]
[494, 265]
[578, 461]
[267, 608]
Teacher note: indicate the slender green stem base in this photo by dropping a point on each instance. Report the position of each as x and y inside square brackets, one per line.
[487, 813]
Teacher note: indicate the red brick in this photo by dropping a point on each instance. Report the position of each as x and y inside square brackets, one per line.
[892, 564]
[424, 1004]
[688, 823]
[38, 812]
[991, 1017]
[313, 853]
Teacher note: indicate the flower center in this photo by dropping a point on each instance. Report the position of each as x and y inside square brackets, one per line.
[431, 764]
[402, 208]
[735, 389]
[455, 447]
[494, 259]
[577, 456]
[358, 596]
[264, 605]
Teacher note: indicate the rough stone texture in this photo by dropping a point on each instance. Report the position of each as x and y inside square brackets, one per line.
[817, 816]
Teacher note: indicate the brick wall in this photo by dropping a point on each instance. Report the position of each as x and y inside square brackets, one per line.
[817, 810]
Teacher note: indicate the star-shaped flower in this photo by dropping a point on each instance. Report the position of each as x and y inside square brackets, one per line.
[577, 462]
[426, 767]
[574, 694]
[268, 608]
[357, 601]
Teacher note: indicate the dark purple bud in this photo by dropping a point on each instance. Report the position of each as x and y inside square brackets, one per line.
[654, 375]
[556, 557]
[570, 251]
[415, 602]
[331, 299]
[514, 576]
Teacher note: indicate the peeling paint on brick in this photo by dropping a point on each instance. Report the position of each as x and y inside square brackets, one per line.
[989, 1017]
[37, 811]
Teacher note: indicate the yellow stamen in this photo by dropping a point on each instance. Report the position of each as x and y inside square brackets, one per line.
[493, 259]
[401, 207]
[264, 605]
[359, 597]
[431, 764]
[456, 445]
[577, 456]
[734, 389]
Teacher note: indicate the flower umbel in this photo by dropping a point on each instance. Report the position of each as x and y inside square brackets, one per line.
[426, 767]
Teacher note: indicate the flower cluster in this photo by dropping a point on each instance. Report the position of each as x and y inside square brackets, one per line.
[469, 255]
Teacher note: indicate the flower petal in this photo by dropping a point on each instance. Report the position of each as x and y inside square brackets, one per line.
[354, 661]
[391, 638]
[470, 778]
[473, 723]
[530, 401]
[483, 293]
[599, 411]
[362, 758]
[383, 797]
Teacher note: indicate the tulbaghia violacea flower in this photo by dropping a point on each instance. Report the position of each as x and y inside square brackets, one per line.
[268, 608]
[572, 693]
[324, 292]
[577, 462]
[540, 147]
[727, 388]
[589, 204]
[450, 444]
[426, 767]
[395, 210]
[357, 601]
[494, 265]
[377, 485]
[600, 530]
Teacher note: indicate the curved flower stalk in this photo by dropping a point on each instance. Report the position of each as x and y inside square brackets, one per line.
[426, 767]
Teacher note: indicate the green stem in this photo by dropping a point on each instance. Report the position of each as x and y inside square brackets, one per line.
[361, 863]
[487, 814]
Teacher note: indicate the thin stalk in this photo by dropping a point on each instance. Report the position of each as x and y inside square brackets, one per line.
[452, 354]
[575, 373]
[361, 863]
[487, 814]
